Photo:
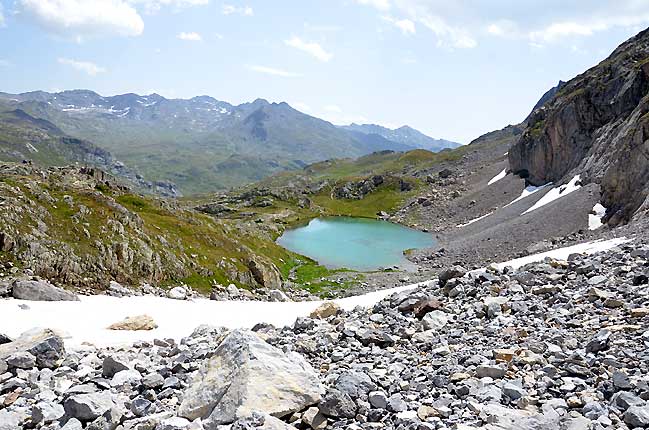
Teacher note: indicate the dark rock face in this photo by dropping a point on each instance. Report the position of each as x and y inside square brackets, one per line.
[596, 125]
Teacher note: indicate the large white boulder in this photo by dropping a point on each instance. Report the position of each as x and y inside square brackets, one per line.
[248, 375]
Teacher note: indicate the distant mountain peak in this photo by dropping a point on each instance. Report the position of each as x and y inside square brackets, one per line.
[404, 135]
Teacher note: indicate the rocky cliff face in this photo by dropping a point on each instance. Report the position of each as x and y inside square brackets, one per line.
[596, 125]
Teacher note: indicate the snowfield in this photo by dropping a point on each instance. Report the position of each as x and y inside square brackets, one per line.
[498, 177]
[528, 191]
[595, 220]
[474, 220]
[556, 193]
[86, 321]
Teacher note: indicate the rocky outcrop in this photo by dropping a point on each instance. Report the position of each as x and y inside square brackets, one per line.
[227, 386]
[41, 291]
[359, 189]
[597, 125]
[265, 273]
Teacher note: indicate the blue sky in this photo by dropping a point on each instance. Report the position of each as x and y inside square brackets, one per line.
[453, 69]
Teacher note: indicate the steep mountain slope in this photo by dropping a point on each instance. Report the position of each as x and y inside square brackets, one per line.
[23, 137]
[596, 125]
[404, 135]
[201, 144]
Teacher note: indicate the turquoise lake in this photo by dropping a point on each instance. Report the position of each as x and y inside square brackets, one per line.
[355, 243]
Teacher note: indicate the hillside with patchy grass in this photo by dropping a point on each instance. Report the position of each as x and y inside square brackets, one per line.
[69, 226]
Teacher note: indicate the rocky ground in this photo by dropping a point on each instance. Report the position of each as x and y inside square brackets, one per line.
[553, 345]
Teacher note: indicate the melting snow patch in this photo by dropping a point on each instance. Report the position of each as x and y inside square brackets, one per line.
[475, 220]
[529, 190]
[556, 193]
[563, 253]
[177, 318]
[595, 220]
[498, 177]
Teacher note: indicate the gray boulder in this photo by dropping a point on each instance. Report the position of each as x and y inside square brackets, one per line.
[41, 291]
[435, 320]
[46, 412]
[113, 364]
[355, 384]
[337, 404]
[246, 374]
[90, 406]
[21, 360]
[637, 416]
[44, 345]
[451, 273]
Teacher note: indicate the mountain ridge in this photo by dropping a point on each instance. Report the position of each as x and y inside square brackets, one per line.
[405, 135]
[192, 142]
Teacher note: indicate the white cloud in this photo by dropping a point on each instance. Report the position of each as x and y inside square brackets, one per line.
[562, 29]
[405, 25]
[427, 13]
[503, 28]
[459, 23]
[229, 9]
[312, 48]
[274, 72]
[190, 36]
[2, 17]
[79, 18]
[333, 108]
[628, 14]
[83, 66]
[379, 4]
[153, 6]
[447, 35]
[5, 63]
[301, 106]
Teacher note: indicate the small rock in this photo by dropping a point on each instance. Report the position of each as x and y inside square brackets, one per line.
[434, 320]
[177, 293]
[21, 360]
[494, 372]
[599, 342]
[314, 419]
[451, 273]
[378, 399]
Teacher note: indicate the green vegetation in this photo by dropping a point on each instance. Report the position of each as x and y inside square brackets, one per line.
[386, 199]
[537, 129]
